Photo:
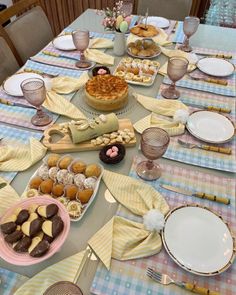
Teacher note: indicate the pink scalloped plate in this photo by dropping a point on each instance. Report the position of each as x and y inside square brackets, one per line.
[6, 251]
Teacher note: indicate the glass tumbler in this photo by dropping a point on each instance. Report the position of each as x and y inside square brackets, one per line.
[190, 27]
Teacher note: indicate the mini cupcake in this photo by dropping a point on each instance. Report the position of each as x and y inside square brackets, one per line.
[92, 170]
[79, 181]
[52, 160]
[78, 167]
[74, 209]
[53, 173]
[84, 196]
[65, 162]
[65, 177]
[71, 192]
[90, 182]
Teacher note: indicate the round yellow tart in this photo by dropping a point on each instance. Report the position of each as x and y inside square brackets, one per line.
[106, 92]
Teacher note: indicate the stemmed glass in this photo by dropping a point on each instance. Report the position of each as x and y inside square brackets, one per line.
[154, 143]
[34, 92]
[176, 69]
[81, 42]
[190, 26]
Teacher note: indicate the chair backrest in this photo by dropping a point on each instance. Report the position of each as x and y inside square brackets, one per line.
[171, 9]
[29, 32]
[8, 62]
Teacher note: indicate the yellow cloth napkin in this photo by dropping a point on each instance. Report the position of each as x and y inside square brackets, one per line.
[121, 238]
[160, 39]
[99, 57]
[8, 197]
[163, 107]
[175, 52]
[22, 157]
[64, 270]
[100, 43]
[58, 104]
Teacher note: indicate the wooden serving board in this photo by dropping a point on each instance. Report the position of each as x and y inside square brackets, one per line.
[64, 144]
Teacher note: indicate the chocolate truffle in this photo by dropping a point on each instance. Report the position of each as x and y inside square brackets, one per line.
[65, 162]
[53, 227]
[92, 170]
[79, 181]
[71, 191]
[63, 176]
[52, 160]
[47, 211]
[14, 237]
[43, 172]
[58, 189]
[53, 173]
[46, 186]
[35, 182]
[38, 247]
[31, 228]
[78, 167]
[90, 182]
[23, 244]
[85, 195]
[22, 216]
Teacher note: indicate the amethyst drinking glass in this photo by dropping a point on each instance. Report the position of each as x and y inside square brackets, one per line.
[154, 143]
[190, 26]
[176, 69]
[34, 92]
[81, 42]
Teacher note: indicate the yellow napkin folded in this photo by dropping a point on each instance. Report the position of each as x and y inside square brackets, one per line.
[175, 52]
[160, 39]
[58, 104]
[124, 239]
[163, 107]
[8, 197]
[22, 157]
[64, 270]
[99, 57]
[97, 43]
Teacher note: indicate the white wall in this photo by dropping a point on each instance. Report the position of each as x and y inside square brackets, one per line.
[6, 2]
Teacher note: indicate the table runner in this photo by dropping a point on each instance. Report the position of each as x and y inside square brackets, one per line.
[10, 281]
[15, 136]
[129, 277]
[196, 156]
[178, 36]
[229, 90]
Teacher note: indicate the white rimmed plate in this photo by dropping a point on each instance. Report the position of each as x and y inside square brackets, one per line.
[12, 84]
[158, 22]
[64, 42]
[210, 127]
[198, 240]
[217, 67]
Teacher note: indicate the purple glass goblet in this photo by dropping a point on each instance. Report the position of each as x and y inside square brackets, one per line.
[176, 69]
[154, 143]
[34, 92]
[81, 42]
[190, 27]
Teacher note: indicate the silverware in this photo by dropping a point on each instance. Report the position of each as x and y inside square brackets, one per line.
[29, 70]
[211, 148]
[175, 27]
[146, 17]
[209, 80]
[164, 279]
[209, 108]
[58, 55]
[200, 195]
[225, 56]
[3, 184]
[16, 104]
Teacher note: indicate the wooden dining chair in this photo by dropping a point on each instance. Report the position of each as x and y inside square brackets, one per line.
[171, 9]
[8, 62]
[29, 32]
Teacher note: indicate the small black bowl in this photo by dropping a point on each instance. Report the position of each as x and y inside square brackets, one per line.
[96, 69]
[104, 158]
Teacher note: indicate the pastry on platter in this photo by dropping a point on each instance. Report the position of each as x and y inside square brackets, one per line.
[106, 92]
[144, 48]
[144, 31]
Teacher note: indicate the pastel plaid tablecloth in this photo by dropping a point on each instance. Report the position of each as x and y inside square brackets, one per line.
[10, 281]
[129, 277]
[15, 136]
[196, 156]
[178, 37]
[187, 82]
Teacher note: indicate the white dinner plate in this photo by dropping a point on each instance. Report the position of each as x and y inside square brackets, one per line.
[210, 127]
[156, 21]
[12, 84]
[64, 42]
[198, 240]
[215, 66]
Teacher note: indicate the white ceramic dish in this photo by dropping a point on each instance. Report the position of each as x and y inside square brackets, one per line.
[210, 127]
[12, 84]
[64, 42]
[198, 240]
[158, 22]
[217, 67]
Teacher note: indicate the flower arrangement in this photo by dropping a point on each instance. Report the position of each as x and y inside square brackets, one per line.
[116, 19]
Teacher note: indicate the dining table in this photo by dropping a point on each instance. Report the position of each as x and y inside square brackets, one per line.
[101, 210]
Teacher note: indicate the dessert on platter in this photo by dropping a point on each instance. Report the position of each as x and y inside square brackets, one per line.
[112, 154]
[106, 93]
[32, 230]
[137, 71]
[144, 31]
[100, 70]
[143, 48]
[71, 181]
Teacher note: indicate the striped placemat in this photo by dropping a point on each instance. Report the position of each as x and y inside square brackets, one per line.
[196, 156]
[10, 281]
[187, 82]
[15, 136]
[129, 277]
[178, 36]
